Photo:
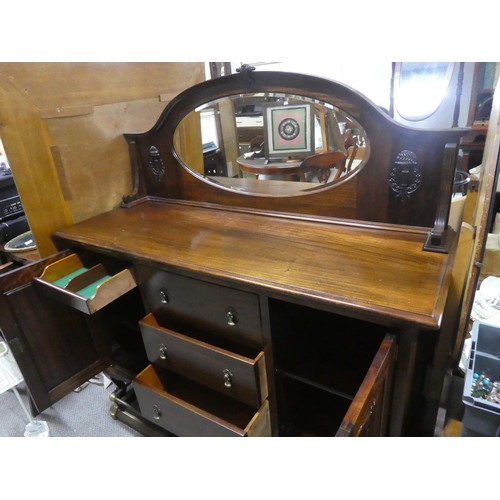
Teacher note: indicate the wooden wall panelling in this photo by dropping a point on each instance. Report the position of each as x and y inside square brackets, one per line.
[342, 196]
[26, 139]
[94, 154]
[68, 84]
[62, 127]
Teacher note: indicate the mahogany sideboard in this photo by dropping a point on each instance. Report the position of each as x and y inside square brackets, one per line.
[224, 312]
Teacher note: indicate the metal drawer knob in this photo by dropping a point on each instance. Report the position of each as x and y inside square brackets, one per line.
[156, 412]
[231, 317]
[228, 378]
[163, 296]
[163, 351]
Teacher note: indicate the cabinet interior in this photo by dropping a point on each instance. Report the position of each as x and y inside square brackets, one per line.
[120, 323]
[321, 359]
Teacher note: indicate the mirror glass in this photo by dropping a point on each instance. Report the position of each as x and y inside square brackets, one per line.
[271, 144]
[420, 87]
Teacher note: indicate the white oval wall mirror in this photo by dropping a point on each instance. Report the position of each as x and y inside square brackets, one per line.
[420, 87]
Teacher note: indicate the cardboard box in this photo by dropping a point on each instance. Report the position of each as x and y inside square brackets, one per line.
[491, 260]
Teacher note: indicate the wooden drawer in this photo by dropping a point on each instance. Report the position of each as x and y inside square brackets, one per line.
[225, 311]
[188, 409]
[83, 287]
[232, 369]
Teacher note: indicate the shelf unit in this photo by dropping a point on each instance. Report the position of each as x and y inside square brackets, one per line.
[317, 373]
[483, 85]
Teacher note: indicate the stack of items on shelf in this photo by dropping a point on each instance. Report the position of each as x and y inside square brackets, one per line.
[13, 221]
[482, 383]
[486, 306]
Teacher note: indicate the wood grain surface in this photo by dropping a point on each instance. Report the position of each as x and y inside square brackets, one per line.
[383, 273]
[62, 126]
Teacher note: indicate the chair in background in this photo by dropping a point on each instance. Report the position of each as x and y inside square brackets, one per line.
[257, 144]
[351, 144]
[322, 165]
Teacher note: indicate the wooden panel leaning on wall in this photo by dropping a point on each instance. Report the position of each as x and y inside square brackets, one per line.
[62, 127]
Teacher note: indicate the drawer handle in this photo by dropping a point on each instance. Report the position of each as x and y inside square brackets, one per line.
[163, 351]
[164, 296]
[231, 317]
[228, 378]
[156, 412]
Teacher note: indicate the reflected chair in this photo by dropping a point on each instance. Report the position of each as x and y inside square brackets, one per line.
[351, 144]
[322, 165]
[257, 144]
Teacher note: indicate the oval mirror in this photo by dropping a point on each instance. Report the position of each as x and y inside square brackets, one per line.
[420, 87]
[271, 144]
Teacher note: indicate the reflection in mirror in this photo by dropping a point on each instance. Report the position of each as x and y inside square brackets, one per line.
[420, 87]
[272, 144]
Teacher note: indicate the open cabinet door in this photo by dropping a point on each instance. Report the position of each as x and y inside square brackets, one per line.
[54, 345]
[482, 216]
[368, 414]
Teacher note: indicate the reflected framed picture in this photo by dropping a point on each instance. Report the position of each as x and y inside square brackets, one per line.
[289, 129]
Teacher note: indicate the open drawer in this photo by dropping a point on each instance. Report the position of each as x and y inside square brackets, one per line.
[85, 287]
[232, 369]
[186, 408]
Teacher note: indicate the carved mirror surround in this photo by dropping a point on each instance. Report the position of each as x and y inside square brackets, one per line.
[290, 143]
[258, 143]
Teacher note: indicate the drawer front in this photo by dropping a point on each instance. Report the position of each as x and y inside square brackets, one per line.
[240, 375]
[226, 311]
[83, 287]
[188, 410]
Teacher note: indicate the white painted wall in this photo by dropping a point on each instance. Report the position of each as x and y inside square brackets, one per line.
[373, 79]
[443, 117]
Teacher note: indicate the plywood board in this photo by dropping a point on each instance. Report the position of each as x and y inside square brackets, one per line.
[58, 85]
[94, 154]
[62, 127]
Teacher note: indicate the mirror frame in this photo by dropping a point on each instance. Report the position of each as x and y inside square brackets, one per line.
[295, 186]
[248, 81]
[378, 193]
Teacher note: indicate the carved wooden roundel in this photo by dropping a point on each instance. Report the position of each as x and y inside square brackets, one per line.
[156, 163]
[405, 177]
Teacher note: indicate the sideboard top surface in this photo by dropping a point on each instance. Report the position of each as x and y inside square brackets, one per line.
[376, 271]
